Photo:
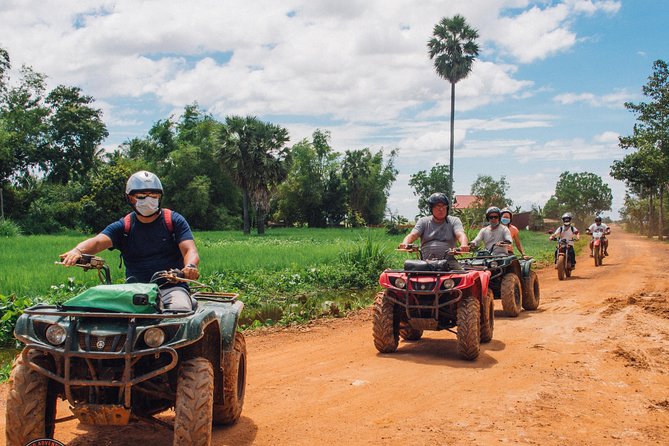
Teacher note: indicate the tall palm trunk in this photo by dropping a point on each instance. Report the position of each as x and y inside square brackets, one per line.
[261, 220]
[245, 212]
[660, 230]
[450, 180]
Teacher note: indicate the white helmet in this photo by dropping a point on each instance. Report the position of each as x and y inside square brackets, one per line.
[143, 181]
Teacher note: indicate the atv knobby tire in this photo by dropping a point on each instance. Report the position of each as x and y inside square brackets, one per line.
[469, 319]
[487, 317]
[531, 292]
[386, 326]
[512, 295]
[31, 403]
[195, 400]
[234, 383]
[410, 334]
[561, 267]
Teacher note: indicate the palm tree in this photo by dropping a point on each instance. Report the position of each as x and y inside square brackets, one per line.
[453, 47]
[255, 154]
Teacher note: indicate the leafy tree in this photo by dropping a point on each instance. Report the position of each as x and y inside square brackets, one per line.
[75, 130]
[313, 192]
[368, 180]
[104, 198]
[22, 126]
[583, 194]
[453, 47]
[255, 153]
[651, 136]
[491, 192]
[426, 183]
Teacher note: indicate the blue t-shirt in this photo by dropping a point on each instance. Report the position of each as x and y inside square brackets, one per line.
[149, 247]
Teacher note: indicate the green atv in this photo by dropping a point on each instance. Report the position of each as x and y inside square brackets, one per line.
[512, 280]
[116, 357]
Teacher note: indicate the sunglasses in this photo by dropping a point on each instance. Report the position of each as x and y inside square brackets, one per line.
[493, 217]
[145, 195]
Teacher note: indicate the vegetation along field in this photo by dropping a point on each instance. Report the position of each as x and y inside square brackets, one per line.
[286, 276]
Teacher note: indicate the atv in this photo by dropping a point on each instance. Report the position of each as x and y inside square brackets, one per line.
[117, 357]
[434, 295]
[512, 279]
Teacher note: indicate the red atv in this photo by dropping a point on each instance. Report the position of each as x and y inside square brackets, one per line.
[434, 295]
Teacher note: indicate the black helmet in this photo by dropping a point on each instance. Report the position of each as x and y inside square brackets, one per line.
[598, 219]
[504, 211]
[143, 181]
[438, 197]
[492, 210]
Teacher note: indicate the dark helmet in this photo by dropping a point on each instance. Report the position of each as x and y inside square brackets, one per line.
[143, 181]
[492, 210]
[504, 211]
[598, 219]
[438, 197]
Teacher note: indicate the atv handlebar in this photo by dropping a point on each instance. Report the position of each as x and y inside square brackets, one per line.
[88, 262]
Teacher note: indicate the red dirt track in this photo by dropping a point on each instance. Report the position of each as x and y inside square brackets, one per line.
[589, 367]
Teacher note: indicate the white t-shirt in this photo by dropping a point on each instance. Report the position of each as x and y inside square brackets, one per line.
[489, 236]
[568, 232]
[598, 228]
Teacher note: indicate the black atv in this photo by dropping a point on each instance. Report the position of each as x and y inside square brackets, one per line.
[512, 280]
[117, 357]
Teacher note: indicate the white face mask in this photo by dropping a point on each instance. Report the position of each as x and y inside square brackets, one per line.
[147, 206]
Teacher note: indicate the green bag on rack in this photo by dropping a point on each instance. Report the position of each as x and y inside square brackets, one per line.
[120, 298]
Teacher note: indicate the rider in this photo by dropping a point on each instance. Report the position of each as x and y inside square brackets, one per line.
[149, 243]
[438, 232]
[494, 236]
[598, 226]
[568, 232]
[507, 218]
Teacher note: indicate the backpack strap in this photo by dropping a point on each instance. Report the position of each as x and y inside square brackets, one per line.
[127, 223]
[167, 217]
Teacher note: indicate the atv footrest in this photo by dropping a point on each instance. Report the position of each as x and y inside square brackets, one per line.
[420, 323]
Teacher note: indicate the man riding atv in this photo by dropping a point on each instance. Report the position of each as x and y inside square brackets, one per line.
[495, 237]
[150, 239]
[438, 232]
[604, 230]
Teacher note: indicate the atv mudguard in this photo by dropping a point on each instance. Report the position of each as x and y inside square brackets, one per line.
[227, 315]
[525, 267]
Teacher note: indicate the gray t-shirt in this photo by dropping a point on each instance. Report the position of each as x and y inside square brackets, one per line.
[489, 236]
[437, 238]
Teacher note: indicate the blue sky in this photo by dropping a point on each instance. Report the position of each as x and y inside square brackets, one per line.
[546, 94]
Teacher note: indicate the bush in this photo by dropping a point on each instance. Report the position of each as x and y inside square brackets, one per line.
[9, 229]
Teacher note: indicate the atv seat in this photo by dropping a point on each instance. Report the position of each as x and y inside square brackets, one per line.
[432, 265]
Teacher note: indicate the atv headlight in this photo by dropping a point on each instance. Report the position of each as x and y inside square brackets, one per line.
[448, 284]
[154, 337]
[400, 283]
[493, 264]
[56, 334]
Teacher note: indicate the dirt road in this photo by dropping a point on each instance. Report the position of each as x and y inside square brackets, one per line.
[590, 367]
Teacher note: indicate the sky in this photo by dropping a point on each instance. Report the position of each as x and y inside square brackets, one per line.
[545, 95]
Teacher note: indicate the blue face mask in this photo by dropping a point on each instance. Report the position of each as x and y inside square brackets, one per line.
[506, 221]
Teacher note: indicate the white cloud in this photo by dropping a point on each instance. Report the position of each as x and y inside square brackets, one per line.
[616, 99]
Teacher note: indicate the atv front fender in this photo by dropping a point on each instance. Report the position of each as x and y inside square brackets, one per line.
[227, 315]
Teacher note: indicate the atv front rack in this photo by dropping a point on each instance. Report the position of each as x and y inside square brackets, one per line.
[410, 301]
[72, 349]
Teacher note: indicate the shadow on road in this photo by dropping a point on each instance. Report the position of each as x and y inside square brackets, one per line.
[443, 352]
[242, 433]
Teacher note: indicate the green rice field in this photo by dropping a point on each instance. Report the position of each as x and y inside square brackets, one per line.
[27, 263]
